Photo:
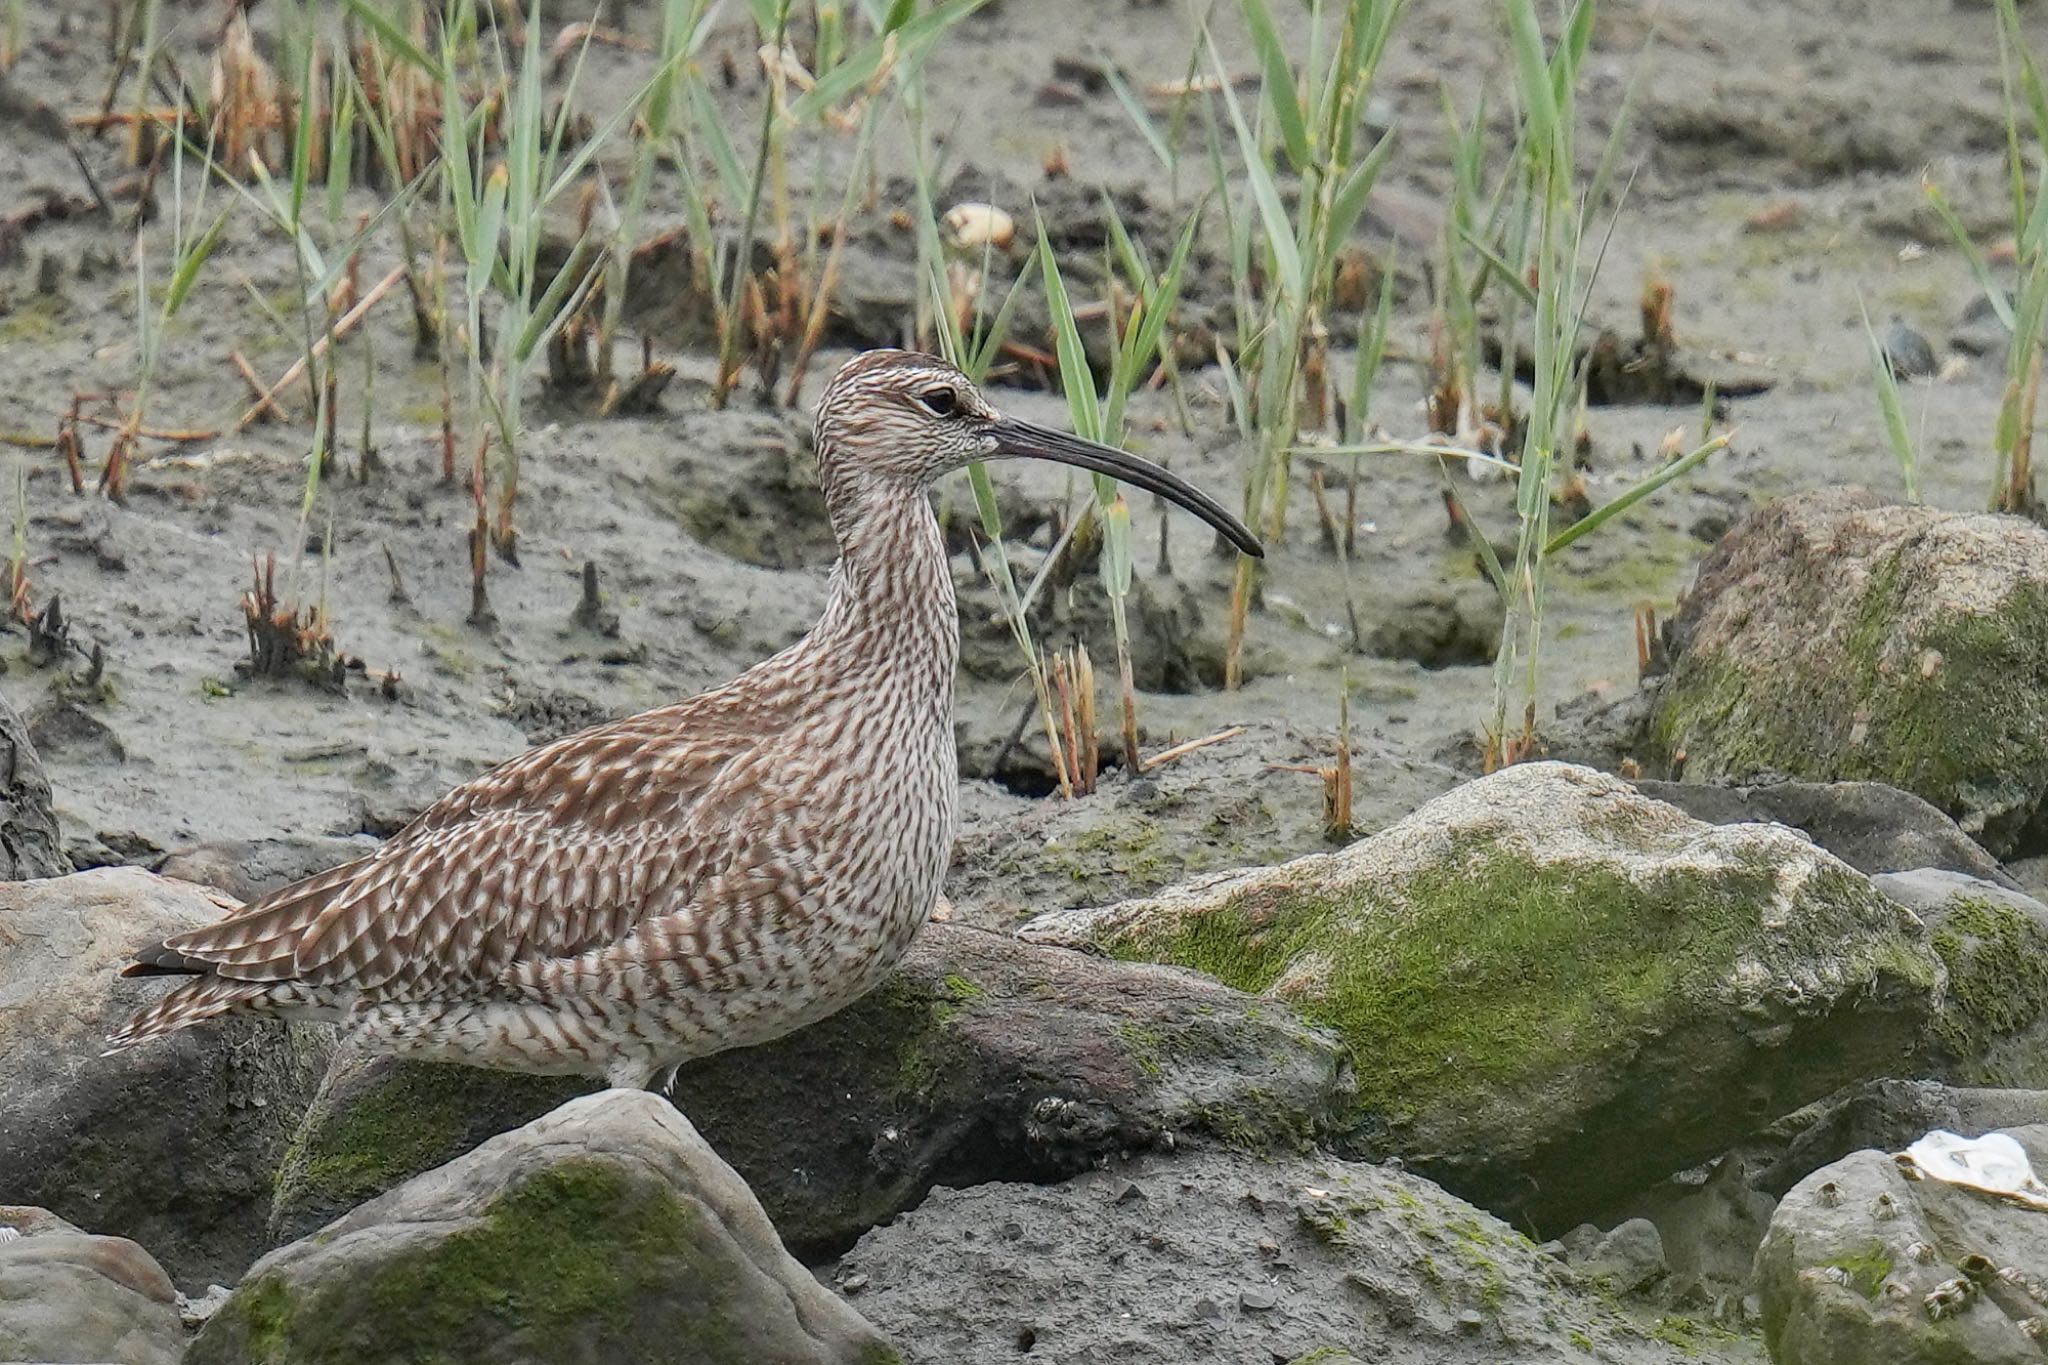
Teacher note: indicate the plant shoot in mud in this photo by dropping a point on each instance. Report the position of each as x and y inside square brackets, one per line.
[1284, 266]
[2023, 308]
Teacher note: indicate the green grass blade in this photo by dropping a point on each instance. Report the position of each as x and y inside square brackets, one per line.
[1350, 199]
[1886, 382]
[1076, 379]
[302, 141]
[391, 35]
[1272, 211]
[1140, 117]
[1282, 96]
[733, 179]
[1539, 95]
[991, 340]
[192, 262]
[1980, 269]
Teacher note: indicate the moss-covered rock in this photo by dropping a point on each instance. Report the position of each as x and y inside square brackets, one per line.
[379, 1121]
[1832, 637]
[1555, 989]
[983, 1058]
[1992, 1029]
[607, 1230]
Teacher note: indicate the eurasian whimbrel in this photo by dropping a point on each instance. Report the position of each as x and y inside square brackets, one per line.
[708, 875]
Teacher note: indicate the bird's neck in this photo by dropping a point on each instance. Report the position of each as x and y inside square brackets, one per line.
[892, 601]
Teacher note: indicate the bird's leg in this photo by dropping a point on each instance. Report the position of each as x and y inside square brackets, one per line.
[638, 1074]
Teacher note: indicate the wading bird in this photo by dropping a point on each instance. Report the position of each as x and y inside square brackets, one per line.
[708, 875]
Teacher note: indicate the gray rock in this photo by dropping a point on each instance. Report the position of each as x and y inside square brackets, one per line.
[607, 1230]
[1868, 825]
[2031, 875]
[1908, 351]
[983, 1059]
[173, 1144]
[29, 842]
[1221, 807]
[1709, 1223]
[1557, 990]
[68, 1296]
[1978, 330]
[249, 868]
[1865, 1267]
[1885, 1114]
[1831, 637]
[1604, 730]
[1626, 1260]
[1295, 1258]
[1713, 1219]
[1993, 1026]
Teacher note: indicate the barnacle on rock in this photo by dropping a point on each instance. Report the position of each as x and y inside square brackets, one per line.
[1949, 1298]
[2025, 1283]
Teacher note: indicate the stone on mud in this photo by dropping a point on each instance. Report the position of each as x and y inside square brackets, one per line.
[1555, 989]
[1221, 807]
[1870, 826]
[982, 1059]
[173, 1143]
[1863, 1266]
[1207, 1257]
[606, 1230]
[1831, 636]
[68, 1295]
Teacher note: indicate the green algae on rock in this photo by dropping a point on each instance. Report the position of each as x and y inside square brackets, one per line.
[1992, 1028]
[1833, 637]
[1554, 988]
[981, 1058]
[605, 1230]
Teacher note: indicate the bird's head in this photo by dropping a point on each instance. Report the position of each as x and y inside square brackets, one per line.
[902, 419]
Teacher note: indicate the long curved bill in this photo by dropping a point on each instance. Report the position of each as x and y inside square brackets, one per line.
[1028, 441]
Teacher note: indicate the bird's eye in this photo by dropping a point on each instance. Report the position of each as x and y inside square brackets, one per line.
[939, 402]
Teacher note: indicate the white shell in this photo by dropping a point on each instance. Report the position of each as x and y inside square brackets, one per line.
[970, 227]
[1993, 1164]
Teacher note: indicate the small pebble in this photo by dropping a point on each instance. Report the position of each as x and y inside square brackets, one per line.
[1910, 355]
[1257, 1300]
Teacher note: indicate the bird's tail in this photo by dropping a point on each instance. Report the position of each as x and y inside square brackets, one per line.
[203, 997]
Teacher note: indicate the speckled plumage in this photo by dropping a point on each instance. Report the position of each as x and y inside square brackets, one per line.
[711, 874]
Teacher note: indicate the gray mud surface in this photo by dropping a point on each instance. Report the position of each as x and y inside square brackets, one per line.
[1777, 149]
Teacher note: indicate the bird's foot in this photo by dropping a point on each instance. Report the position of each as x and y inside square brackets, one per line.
[664, 1080]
